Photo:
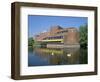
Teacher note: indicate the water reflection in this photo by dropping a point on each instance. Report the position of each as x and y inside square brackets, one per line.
[47, 56]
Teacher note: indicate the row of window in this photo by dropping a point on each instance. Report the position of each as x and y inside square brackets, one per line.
[62, 31]
[66, 31]
[54, 37]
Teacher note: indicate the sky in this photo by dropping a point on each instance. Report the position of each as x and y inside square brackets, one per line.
[37, 24]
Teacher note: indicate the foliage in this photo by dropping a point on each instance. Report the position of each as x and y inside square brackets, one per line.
[30, 41]
[83, 36]
[33, 43]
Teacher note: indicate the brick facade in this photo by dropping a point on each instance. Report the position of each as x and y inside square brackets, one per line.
[70, 35]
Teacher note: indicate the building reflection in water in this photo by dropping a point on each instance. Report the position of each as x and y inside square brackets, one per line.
[60, 56]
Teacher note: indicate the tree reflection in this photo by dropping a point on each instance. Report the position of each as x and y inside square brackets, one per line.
[64, 56]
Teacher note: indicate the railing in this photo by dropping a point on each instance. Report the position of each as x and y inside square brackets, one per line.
[53, 40]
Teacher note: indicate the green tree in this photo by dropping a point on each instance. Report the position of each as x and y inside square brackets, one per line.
[30, 41]
[83, 36]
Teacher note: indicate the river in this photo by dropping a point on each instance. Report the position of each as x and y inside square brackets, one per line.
[47, 56]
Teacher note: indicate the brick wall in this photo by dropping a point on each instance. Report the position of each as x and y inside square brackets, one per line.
[72, 37]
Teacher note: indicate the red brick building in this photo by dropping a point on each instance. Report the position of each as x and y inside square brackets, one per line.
[57, 34]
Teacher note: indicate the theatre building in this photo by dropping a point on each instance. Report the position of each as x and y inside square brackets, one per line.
[58, 37]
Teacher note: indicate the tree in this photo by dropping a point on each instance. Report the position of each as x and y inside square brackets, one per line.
[30, 41]
[83, 36]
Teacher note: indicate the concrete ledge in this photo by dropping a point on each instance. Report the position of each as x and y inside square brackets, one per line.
[63, 46]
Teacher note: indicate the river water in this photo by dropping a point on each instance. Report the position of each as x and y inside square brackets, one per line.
[47, 56]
